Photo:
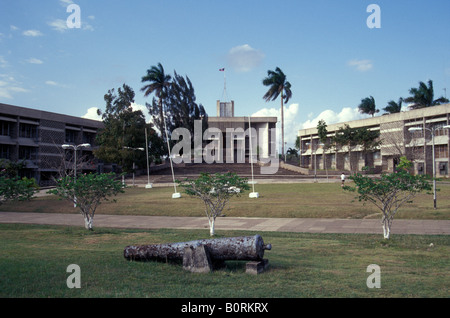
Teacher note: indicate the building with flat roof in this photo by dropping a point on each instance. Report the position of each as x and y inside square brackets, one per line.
[233, 134]
[410, 133]
[36, 138]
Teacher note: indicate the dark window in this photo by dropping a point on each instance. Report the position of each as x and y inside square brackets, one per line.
[5, 128]
[28, 131]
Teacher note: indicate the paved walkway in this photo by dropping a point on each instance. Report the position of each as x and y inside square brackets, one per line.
[308, 225]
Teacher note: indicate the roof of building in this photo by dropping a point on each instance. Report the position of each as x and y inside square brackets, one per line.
[40, 114]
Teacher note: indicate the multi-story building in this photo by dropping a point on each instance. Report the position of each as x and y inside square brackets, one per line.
[412, 133]
[36, 137]
[234, 134]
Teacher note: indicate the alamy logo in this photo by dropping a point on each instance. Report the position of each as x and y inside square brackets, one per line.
[74, 20]
[74, 279]
[229, 147]
[374, 20]
[374, 279]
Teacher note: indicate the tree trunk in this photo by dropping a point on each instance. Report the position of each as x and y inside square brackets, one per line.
[386, 227]
[282, 126]
[88, 222]
[211, 226]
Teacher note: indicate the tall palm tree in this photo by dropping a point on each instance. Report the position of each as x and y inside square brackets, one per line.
[423, 96]
[367, 106]
[276, 80]
[394, 107]
[159, 83]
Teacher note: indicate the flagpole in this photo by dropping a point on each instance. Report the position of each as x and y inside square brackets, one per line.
[252, 194]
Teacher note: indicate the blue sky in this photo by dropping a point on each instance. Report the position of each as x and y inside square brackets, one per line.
[330, 56]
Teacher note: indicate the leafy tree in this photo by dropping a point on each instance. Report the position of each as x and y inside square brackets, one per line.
[368, 140]
[352, 137]
[346, 136]
[215, 191]
[323, 138]
[184, 110]
[423, 96]
[394, 107]
[124, 131]
[12, 187]
[388, 192]
[16, 189]
[276, 80]
[368, 106]
[158, 83]
[88, 191]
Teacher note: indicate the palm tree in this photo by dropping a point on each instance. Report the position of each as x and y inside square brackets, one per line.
[159, 83]
[423, 96]
[367, 106]
[394, 107]
[276, 80]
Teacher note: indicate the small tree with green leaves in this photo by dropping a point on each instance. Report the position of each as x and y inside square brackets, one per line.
[12, 187]
[88, 191]
[16, 189]
[215, 191]
[389, 192]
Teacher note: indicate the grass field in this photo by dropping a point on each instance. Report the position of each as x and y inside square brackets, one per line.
[34, 261]
[301, 200]
[34, 258]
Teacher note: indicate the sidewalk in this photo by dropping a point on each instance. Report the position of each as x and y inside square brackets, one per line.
[307, 225]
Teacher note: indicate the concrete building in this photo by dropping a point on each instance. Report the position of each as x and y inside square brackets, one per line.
[410, 133]
[233, 134]
[36, 138]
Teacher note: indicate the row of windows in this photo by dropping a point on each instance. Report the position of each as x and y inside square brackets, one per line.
[25, 153]
[32, 132]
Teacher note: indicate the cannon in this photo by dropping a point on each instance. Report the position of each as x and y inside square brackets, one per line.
[204, 255]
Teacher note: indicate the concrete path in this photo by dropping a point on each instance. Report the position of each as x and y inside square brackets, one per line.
[309, 225]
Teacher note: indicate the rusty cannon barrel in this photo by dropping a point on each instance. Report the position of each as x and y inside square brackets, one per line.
[249, 248]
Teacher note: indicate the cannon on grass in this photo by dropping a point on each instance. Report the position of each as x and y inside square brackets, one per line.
[205, 255]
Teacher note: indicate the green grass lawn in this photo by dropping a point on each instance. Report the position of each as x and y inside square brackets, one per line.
[35, 258]
[302, 200]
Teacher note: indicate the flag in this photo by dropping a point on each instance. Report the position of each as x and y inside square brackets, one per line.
[222, 69]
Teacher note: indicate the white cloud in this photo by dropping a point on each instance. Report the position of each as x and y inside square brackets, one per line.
[61, 25]
[58, 25]
[65, 3]
[92, 114]
[3, 62]
[294, 121]
[13, 27]
[53, 83]
[34, 61]
[331, 117]
[9, 86]
[361, 65]
[244, 58]
[32, 33]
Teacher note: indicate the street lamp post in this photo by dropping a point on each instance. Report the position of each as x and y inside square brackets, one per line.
[131, 148]
[75, 148]
[314, 151]
[432, 130]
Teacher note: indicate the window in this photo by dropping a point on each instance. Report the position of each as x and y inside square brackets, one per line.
[5, 151]
[441, 151]
[5, 128]
[71, 136]
[28, 131]
[439, 130]
[27, 153]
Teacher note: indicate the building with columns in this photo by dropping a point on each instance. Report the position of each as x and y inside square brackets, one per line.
[412, 133]
[233, 134]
